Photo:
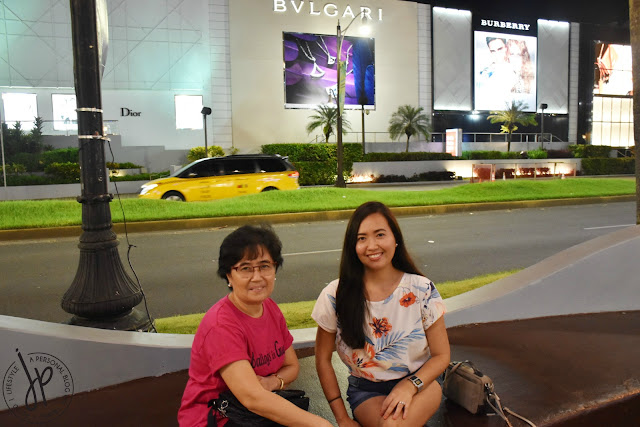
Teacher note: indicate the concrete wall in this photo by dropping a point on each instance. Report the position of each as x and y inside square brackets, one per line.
[462, 168]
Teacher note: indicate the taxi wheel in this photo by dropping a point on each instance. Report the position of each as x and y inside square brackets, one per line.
[269, 189]
[173, 196]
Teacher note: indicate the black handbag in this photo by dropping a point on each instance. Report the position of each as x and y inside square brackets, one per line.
[230, 407]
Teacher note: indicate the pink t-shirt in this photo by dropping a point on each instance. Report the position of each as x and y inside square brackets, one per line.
[227, 335]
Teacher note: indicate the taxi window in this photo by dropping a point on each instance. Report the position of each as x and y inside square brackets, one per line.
[204, 169]
[239, 166]
[271, 165]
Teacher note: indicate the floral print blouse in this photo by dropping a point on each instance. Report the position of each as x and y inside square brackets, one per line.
[395, 341]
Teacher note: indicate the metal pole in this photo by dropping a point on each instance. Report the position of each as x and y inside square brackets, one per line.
[101, 295]
[206, 148]
[4, 167]
[339, 149]
[364, 149]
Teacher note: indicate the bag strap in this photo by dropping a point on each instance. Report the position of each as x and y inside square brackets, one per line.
[456, 365]
[490, 396]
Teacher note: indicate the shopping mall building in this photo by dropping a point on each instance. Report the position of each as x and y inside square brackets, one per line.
[261, 66]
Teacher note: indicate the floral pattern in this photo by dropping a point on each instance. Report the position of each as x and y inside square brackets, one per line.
[380, 327]
[395, 342]
[407, 299]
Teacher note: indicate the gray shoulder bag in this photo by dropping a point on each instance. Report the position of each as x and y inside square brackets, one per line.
[465, 385]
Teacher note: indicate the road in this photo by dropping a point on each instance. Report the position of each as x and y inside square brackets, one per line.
[178, 270]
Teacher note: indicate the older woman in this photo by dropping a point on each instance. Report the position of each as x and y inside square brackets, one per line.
[242, 343]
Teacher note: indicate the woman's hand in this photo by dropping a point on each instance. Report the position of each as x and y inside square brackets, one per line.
[399, 400]
[348, 422]
[268, 383]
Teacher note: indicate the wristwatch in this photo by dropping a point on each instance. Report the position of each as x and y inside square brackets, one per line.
[416, 382]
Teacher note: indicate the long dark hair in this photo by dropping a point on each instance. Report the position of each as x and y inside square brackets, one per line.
[351, 304]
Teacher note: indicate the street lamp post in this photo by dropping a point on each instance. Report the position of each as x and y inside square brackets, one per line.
[340, 179]
[542, 107]
[340, 94]
[205, 112]
[101, 295]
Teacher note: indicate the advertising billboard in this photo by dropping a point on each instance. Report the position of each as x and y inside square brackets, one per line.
[310, 70]
[505, 68]
[613, 70]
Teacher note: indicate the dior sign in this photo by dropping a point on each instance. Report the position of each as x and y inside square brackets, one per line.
[327, 9]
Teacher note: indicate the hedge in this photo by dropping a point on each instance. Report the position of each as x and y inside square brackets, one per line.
[412, 156]
[61, 155]
[490, 155]
[424, 176]
[317, 163]
[608, 166]
[197, 153]
[590, 151]
[66, 171]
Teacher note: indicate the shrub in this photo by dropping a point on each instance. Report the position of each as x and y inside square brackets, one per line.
[317, 163]
[198, 153]
[68, 171]
[140, 176]
[61, 155]
[14, 168]
[15, 180]
[537, 154]
[590, 151]
[425, 176]
[412, 156]
[30, 161]
[608, 166]
[317, 173]
[126, 165]
[315, 152]
[490, 155]
[559, 154]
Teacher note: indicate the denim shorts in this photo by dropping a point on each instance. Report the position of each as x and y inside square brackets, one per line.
[361, 389]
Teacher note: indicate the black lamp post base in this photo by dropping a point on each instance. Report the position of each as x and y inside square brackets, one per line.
[134, 320]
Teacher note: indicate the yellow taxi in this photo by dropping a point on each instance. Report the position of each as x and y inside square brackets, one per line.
[222, 177]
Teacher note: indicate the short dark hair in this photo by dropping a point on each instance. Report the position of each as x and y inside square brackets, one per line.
[490, 39]
[247, 241]
[350, 298]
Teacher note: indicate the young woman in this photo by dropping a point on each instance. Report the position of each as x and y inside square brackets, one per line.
[243, 343]
[385, 319]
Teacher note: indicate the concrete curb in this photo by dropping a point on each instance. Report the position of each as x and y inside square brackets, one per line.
[230, 221]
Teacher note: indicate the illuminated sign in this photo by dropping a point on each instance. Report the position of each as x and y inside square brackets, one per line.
[504, 24]
[328, 9]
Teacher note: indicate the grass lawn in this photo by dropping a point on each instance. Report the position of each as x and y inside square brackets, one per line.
[298, 314]
[56, 213]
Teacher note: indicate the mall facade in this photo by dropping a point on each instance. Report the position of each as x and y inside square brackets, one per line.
[261, 66]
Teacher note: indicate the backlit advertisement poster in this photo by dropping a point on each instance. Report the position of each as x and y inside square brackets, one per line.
[310, 70]
[613, 70]
[504, 70]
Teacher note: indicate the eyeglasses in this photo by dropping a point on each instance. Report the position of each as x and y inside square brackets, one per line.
[246, 271]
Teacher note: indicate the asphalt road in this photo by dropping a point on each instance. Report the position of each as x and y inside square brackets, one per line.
[178, 270]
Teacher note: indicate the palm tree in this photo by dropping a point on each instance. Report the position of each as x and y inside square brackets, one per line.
[409, 121]
[514, 114]
[326, 117]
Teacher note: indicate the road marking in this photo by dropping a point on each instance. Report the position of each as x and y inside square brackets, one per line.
[609, 226]
[313, 252]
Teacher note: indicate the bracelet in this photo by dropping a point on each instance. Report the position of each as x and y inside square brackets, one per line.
[335, 398]
[281, 380]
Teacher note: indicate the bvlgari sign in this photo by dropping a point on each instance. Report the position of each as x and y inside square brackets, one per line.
[332, 10]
